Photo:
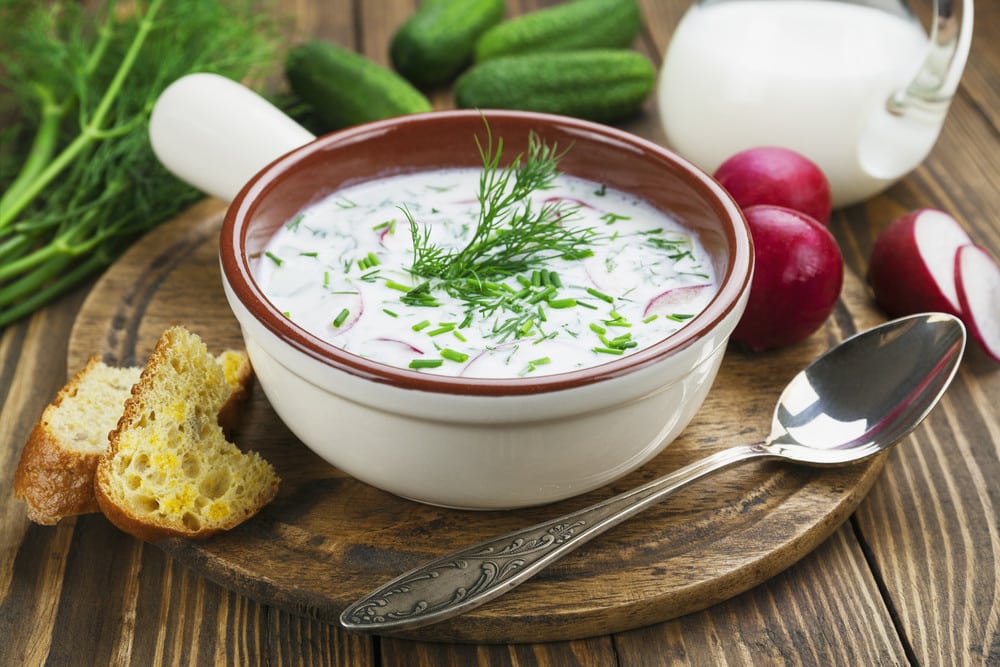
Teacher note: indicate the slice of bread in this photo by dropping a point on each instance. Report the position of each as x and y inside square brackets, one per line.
[55, 475]
[169, 470]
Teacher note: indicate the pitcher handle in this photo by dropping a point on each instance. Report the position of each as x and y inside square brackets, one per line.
[935, 84]
[215, 133]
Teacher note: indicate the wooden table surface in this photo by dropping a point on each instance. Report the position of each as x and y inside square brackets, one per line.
[911, 578]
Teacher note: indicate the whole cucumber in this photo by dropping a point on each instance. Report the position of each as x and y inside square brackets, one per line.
[597, 84]
[575, 25]
[345, 88]
[438, 40]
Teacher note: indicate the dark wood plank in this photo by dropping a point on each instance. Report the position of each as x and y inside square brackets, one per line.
[829, 592]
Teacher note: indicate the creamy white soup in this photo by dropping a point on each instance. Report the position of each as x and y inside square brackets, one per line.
[343, 270]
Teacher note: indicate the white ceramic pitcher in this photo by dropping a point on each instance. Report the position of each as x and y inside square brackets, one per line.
[855, 85]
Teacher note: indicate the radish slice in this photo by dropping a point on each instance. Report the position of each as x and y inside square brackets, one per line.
[667, 302]
[912, 265]
[977, 280]
[401, 343]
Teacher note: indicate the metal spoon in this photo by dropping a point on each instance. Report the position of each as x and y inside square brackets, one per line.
[855, 401]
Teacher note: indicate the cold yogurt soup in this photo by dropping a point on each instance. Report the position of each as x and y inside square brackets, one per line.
[608, 275]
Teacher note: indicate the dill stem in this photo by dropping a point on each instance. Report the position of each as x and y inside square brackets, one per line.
[37, 289]
[42, 147]
[91, 130]
[62, 244]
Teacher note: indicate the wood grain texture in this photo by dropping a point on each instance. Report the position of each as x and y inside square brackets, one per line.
[910, 579]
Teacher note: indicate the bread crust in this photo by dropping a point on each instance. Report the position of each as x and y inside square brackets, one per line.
[53, 481]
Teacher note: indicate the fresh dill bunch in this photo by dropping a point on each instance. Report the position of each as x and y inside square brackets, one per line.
[78, 179]
[512, 236]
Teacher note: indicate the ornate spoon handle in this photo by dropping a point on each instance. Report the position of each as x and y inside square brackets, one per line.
[469, 577]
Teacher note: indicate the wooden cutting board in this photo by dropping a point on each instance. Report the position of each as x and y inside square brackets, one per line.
[327, 539]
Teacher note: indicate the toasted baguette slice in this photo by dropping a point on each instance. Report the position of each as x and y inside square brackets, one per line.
[169, 470]
[55, 474]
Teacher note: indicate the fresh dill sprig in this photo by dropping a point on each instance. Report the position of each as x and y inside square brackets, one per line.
[512, 236]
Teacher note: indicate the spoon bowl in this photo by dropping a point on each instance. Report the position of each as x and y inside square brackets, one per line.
[855, 401]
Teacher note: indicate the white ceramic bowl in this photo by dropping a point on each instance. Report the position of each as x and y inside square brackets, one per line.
[483, 443]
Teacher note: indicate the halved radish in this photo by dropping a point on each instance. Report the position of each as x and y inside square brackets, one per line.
[668, 302]
[912, 265]
[977, 281]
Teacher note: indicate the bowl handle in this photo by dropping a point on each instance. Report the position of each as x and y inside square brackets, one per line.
[215, 133]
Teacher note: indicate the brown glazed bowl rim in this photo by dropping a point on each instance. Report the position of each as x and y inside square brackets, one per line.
[237, 272]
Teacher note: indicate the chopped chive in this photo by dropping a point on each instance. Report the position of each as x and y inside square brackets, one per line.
[341, 317]
[586, 305]
[389, 312]
[608, 350]
[392, 284]
[294, 223]
[554, 279]
[419, 326]
[274, 258]
[600, 295]
[524, 280]
[536, 278]
[457, 334]
[454, 355]
[601, 191]
[679, 317]
[530, 368]
[370, 276]
[308, 254]
[426, 363]
[525, 328]
[326, 279]
[650, 318]
[618, 323]
[563, 303]
[541, 314]
[443, 327]
[542, 295]
[286, 314]
[597, 328]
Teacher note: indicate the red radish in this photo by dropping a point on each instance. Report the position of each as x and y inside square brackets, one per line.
[667, 302]
[798, 273]
[778, 177]
[912, 265]
[977, 279]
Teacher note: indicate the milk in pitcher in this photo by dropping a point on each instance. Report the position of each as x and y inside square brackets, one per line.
[810, 75]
